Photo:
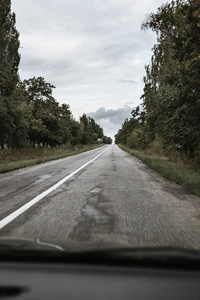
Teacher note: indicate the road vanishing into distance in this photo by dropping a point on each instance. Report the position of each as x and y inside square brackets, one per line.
[103, 195]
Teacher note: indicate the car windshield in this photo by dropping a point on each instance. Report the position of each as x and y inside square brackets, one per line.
[100, 123]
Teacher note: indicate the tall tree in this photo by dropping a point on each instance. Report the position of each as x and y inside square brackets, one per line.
[172, 89]
[9, 62]
[9, 46]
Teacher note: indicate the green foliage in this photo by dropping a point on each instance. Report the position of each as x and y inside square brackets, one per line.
[32, 116]
[125, 132]
[130, 133]
[91, 131]
[157, 146]
[9, 56]
[132, 140]
[172, 92]
[51, 124]
[170, 118]
[107, 140]
[9, 62]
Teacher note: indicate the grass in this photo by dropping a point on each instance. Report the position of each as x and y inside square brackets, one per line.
[186, 177]
[20, 158]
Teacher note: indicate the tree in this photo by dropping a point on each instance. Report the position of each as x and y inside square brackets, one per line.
[172, 90]
[43, 125]
[9, 62]
[9, 46]
[107, 140]
[127, 128]
[49, 123]
[91, 130]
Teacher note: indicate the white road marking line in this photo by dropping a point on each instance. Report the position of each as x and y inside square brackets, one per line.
[22, 209]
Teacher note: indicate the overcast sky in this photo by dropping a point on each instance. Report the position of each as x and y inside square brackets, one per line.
[93, 51]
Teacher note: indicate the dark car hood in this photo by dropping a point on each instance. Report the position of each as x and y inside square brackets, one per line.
[24, 249]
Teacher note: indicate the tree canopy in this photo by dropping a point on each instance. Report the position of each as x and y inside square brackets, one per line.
[9, 62]
[9, 55]
[171, 99]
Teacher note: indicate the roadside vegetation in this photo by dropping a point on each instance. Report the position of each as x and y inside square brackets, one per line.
[164, 131]
[34, 126]
[13, 159]
[185, 175]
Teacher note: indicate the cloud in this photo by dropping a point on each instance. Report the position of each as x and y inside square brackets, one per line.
[111, 119]
[115, 116]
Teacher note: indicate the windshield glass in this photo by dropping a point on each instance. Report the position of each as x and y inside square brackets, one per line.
[100, 123]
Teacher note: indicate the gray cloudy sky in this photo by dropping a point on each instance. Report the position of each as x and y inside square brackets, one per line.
[93, 51]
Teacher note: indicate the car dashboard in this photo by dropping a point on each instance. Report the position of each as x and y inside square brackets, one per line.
[97, 282]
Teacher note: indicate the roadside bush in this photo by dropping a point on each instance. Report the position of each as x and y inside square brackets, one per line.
[156, 147]
[133, 140]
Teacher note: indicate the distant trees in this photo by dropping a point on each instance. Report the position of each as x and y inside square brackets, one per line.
[171, 98]
[39, 120]
[131, 130]
[107, 140]
[46, 122]
[90, 130]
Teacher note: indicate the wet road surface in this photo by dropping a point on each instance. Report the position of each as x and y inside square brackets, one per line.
[114, 199]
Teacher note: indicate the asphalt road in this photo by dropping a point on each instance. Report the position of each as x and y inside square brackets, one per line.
[114, 199]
